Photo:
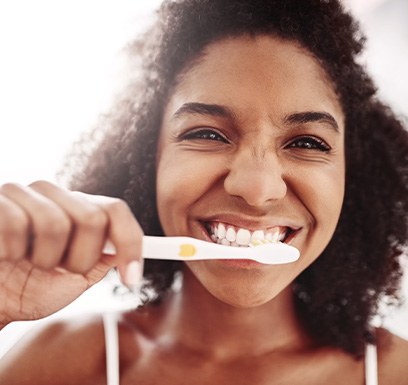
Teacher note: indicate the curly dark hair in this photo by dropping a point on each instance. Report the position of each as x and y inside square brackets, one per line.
[339, 294]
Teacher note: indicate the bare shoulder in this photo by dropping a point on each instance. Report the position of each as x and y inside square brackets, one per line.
[135, 328]
[73, 351]
[61, 352]
[392, 358]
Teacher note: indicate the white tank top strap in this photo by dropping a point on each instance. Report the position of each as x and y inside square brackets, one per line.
[110, 325]
[371, 367]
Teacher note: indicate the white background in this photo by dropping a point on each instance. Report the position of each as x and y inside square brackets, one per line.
[58, 70]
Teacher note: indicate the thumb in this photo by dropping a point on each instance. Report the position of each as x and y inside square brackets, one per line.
[131, 273]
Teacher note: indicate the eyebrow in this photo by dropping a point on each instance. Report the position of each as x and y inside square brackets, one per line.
[225, 112]
[311, 117]
[204, 109]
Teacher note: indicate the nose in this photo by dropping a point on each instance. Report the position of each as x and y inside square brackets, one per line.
[256, 178]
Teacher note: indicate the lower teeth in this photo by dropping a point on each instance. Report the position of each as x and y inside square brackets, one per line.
[226, 242]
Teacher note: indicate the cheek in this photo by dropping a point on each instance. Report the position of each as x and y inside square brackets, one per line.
[331, 194]
[323, 194]
[178, 178]
[182, 179]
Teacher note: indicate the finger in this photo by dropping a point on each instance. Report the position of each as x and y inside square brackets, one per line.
[127, 240]
[90, 226]
[14, 228]
[50, 226]
[126, 235]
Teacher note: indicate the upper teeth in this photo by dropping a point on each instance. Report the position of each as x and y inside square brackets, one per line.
[232, 236]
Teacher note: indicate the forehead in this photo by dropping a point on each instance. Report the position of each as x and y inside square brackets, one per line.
[261, 73]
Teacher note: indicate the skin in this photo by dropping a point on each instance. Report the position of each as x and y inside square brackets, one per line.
[255, 180]
[230, 323]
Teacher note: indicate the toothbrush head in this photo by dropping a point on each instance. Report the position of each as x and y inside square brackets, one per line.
[273, 253]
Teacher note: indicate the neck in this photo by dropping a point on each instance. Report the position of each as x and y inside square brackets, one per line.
[200, 321]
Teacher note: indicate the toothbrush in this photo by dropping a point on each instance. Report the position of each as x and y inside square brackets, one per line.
[191, 249]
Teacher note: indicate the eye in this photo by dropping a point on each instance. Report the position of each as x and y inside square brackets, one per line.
[309, 143]
[204, 134]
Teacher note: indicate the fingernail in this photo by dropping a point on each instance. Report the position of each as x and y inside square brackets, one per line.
[133, 274]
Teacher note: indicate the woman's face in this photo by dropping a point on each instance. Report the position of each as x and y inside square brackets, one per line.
[252, 145]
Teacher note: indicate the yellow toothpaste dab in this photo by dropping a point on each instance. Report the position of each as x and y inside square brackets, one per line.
[187, 250]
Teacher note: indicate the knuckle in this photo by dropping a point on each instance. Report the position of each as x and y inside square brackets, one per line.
[93, 218]
[9, 188]
[78, 266]
[54, 226]
[45, 263]
[13, 221]
[116, 206]
[3, 248]
[17, 226]
[130, 246]
[40, 185]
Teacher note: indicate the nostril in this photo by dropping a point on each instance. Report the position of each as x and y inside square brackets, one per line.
[256, 188]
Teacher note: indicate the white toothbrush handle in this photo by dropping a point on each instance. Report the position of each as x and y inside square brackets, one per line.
[191, 249]
[160, 247]
[174, 248]
[184, 249]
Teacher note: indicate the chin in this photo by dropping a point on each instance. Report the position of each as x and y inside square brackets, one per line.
[245, 298]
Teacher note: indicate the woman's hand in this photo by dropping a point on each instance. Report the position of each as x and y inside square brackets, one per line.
[51, 243]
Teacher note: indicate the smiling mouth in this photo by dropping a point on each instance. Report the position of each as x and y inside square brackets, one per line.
[229, 235]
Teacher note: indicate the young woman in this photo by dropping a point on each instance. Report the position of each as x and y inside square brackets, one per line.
[247, 116]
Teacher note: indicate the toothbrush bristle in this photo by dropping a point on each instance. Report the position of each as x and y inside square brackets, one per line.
[259, 242]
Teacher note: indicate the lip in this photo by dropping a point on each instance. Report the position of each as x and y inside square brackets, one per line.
[253, 224]
[240, 263]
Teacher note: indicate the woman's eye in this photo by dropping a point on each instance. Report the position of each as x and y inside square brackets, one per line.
[204, 134]
[309, 143]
